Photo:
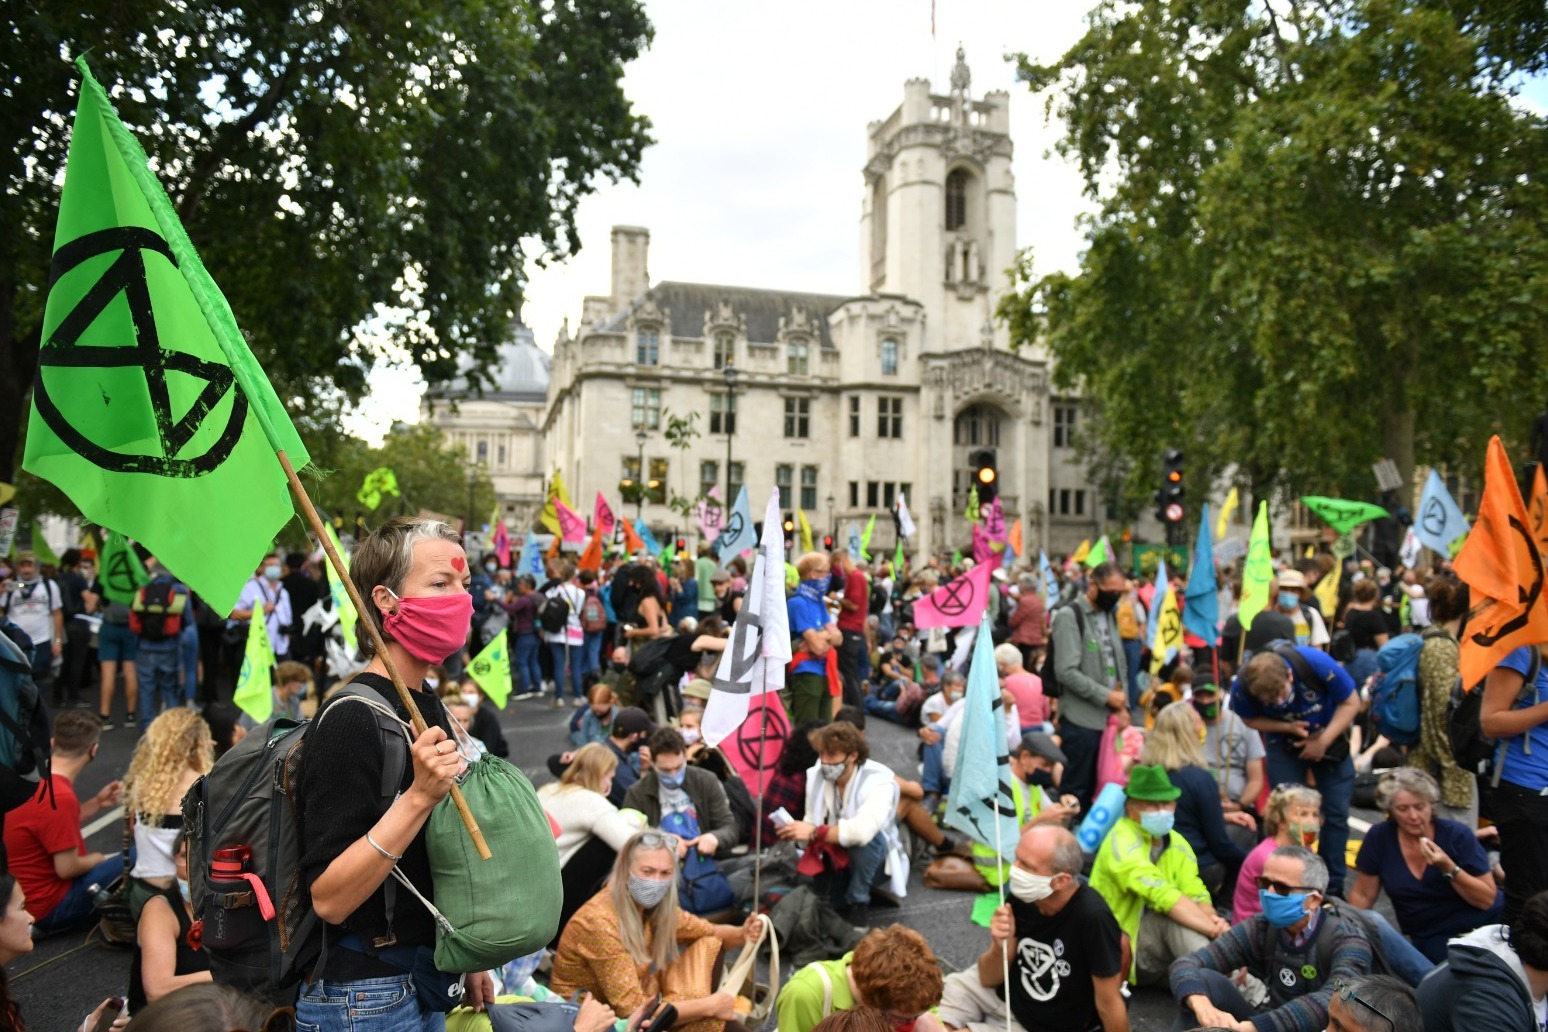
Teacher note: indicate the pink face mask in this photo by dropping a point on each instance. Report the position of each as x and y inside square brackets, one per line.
[430, 627]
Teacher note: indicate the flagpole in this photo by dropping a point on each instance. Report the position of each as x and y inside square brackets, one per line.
[378, 645]
[999, 849]
[763, 737]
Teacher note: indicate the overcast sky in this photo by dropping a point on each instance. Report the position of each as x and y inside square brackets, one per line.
[760, 115]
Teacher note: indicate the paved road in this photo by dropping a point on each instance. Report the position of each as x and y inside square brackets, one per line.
[65, 976]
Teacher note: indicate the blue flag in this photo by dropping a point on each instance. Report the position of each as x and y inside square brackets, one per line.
[981, 803]
[1050, 579]
[739, 534]
[1155, 601]
[1440, 522]
[1201, 609]
[647, 538]
[854, 541]
[532, 558]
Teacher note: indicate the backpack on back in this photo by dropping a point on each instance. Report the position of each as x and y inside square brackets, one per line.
[593, 614]
[25, 731]
[554, 614]
[1048, 671]
[1395, 689]
[1473, 750]
[244, 851]
[156, 613]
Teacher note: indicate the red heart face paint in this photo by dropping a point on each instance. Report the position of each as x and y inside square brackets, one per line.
[459, 563]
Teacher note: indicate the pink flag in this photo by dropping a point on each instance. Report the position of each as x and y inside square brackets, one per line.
[982, 552]
[957, 603]
[502, 544]
[604, 516]
[754, 747]
[994, 522]
[710, 517]
[571, 526]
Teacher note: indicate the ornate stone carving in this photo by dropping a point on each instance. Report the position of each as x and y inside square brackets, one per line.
[961, 77]
[1016, 384]
[724, 319]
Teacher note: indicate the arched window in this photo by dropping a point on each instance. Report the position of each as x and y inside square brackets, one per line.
[956, 200]
[977, 425]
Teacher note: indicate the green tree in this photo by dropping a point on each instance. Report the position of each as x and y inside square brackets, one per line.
[1319, 238]
[396, 163]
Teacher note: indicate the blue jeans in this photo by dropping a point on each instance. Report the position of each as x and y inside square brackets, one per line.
[1223, 995]
[1406, 961]
[934, 777]
[566, 657]
[1133, 651]
[527, 673]
[365, 1005]
[188, 658]
[591, 653]
[866, 865]
[159, 673]
[1336, 783]
[74, 911]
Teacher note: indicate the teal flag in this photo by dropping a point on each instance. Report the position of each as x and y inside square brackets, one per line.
[1201, 613]
[981, 803]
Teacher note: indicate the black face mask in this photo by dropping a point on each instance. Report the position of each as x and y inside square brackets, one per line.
[1042, 779]
[1107, 601]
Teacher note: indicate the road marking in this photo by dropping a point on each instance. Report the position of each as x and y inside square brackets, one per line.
[108, 819]
[1356, 824]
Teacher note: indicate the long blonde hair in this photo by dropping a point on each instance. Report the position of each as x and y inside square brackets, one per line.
[590, 765]
[1174, 741]
[663, 916]
[176, 742]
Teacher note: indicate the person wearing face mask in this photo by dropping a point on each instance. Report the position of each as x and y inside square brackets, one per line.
[1092, 675]
[1066, 950]
[937, 714]
[413, 575]
[631, 941]
[852, 806]
[265, 597]
[592, 722]
[1232, 750]
[1300, 946]
[34, 604]
[1303, 702]
[591, 828]
[673, 786]
[483, 718]
[1149, 876]
[1290, 598]
[1291, 817]
[809, 687]
[167, 952]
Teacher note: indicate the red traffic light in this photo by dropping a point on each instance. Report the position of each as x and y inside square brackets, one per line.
[682, 544]
[827, 541]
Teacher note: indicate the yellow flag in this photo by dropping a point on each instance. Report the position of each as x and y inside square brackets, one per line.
[341, 603]
[1327, 590]
[1083, 551]
[491, 668]
[549, 517]
[1169, 632]
[1258, 572]
[1231, 502]
[255, 684]
[806, 531]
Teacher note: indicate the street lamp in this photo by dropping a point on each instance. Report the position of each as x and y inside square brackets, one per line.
[833, 527]
[730, 415]
[639, 484]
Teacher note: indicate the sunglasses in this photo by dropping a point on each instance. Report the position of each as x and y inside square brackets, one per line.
[658, 840]
[1344, 991]
[1279, 888]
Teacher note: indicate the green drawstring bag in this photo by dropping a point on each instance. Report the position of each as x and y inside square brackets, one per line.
[489, 912]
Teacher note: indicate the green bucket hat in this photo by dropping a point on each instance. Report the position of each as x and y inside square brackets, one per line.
[1150, 784]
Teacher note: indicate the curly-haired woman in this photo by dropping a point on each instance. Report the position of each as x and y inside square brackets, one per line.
[175, 751]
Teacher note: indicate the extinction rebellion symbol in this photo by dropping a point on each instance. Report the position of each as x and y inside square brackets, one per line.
[65, 350]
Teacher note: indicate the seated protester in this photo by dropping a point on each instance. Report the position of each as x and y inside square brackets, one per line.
[896, 696]
[631, 727]
[1035, 754]
[1148, 875]
[292, 684]
[1034, 710]
[851, 809]
[593, 721]
[1373, 1003]
[1297, 947]
[808, 691]
[1494, 978]
[786, 787]
[483, 721]
[167, 956]
[1232, 750]
[591, 830]
[891, 969]
[457, 708]
[1453, 891]
[672, 786]
[1162, 694]
[1174, 744]
[1292, 817]
[631, 941]
[1066, 950]
[952, 744]
[45, 850]
[913, 816]
[936, 722]
[413, 574]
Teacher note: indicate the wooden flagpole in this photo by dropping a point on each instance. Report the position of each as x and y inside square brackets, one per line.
[378, 645]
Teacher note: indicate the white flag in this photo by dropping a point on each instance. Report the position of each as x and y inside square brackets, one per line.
[905, 521]
[1408, 555]
[755, 657]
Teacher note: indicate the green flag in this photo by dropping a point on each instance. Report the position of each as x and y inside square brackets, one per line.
[1258, 570]
[897, 560]
[41, 548]
[378, 482]
[122, 573]
[971, 512]
[1099, 554]
[1341, 514]
[341, 603]
[865, 538]
[255, 684]
[148, 410]
[956, 558]
[491, 668]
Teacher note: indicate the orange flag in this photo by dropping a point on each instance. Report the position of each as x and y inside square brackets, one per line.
[632, 542]
[554, 547]
[591, 558]
[1015, 537]
[1504, 569]
[1537, 512]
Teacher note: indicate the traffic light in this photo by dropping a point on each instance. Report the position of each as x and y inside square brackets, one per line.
[827, 542]
[682, 545]
[789, 527]
[1169, 500]
[985, 476]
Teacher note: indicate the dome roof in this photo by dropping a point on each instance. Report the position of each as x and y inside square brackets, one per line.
[519, 371]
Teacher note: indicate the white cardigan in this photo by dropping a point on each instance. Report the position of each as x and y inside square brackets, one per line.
[869, 807]
[581, 814]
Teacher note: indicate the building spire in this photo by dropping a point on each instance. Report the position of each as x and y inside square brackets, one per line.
[961, 78]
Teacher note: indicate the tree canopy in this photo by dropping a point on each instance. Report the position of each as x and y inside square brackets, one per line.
[1320, 237]
[382, 165]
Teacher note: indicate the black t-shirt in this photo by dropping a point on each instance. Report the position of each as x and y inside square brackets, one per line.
[1057, 957]
[1363, 625]
[71, 584]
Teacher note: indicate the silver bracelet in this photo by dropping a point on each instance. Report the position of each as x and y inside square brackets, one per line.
[377, 846]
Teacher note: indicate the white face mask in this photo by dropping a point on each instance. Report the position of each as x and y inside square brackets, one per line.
[1029, 887]
[690, 735]
[831, 771]
[432, 683]
[471, 698]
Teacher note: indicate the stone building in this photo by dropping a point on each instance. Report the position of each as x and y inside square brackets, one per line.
[844, 401]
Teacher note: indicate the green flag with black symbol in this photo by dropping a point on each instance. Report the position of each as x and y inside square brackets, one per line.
[148, 409]
[120, 571]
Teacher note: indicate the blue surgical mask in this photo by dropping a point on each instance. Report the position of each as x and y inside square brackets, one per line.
[675, 779]
[1282, 911]
[1157, 823]
[491, 567]
[272, 573]
[1289, 600]
[182, 888]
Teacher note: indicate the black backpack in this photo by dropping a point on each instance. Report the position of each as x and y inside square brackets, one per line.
[1049, 672]
[555, 613]
[877, 600]
[1474, 751]
[25, 732]
[244, 852]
